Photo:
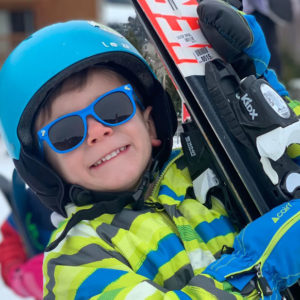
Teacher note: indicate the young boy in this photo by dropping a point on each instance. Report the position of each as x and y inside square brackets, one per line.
[92, 135]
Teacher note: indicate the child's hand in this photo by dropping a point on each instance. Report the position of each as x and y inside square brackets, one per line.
[267, 250]
[238, 39]
[23, 276]
[12, 251]
[27, 279]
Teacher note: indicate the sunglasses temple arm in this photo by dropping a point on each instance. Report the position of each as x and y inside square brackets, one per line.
[139, 102]
[41, 147]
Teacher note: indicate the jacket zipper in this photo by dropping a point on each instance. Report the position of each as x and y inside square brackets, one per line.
[156, 186]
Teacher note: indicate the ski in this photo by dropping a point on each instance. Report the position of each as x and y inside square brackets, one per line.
[190, 61]
[255, 179]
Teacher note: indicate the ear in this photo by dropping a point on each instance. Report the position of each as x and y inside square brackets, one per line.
[151, 127]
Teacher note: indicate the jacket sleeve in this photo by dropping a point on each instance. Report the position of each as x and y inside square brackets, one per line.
[12, 251]
[98, 270]
[22, 275]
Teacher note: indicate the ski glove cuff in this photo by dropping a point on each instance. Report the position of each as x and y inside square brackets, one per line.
[266, 250]
[271, 77]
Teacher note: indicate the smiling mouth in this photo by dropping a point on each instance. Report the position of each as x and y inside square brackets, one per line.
[109, 156]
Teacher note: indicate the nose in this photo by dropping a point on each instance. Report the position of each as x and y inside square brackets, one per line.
[96, 131]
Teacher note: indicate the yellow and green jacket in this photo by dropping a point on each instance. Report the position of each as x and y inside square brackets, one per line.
[158, 252]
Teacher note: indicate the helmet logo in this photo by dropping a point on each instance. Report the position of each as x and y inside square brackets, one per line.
[105, 28]
[110, 30]
[115, 45]
[95, 24]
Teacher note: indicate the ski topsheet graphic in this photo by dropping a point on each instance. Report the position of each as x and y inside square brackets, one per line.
[230, 115]
[176, 24]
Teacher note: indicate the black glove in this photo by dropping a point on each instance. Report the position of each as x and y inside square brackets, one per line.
[237, 37]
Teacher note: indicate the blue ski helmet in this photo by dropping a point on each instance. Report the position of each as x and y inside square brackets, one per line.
[45, 59]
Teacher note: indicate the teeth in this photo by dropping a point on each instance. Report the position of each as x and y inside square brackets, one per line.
[109, 156]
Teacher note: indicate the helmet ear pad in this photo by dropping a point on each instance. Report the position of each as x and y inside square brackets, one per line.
[165, 126]
[43, 180]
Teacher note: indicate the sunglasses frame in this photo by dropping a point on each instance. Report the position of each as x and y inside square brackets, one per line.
[88, 111]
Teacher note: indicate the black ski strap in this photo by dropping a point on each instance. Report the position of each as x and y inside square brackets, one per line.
[207, 182]
[199, 162]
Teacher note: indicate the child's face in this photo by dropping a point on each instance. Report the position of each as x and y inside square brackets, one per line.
[127, 147]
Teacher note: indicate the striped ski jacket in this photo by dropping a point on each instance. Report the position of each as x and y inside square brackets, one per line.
[158, 252]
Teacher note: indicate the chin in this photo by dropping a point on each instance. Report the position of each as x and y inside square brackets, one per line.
[121, 180]
[118, 186]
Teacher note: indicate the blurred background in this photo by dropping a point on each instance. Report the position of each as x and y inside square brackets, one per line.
[19, 18]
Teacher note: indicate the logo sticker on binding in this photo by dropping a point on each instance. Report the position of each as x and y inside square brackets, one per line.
[247, 101]
[275, 101]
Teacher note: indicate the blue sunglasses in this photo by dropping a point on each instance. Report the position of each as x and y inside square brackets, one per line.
[69, 131]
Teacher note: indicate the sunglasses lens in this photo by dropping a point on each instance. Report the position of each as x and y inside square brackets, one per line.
[114, 108]
[66, 133]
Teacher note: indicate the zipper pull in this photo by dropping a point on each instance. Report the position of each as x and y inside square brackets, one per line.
[155, 205]
[158, 206]
[262, 282]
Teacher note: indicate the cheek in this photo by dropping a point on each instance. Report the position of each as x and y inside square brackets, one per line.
[63, 164]
[51, 156]
[146, 143]
[55, 162]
